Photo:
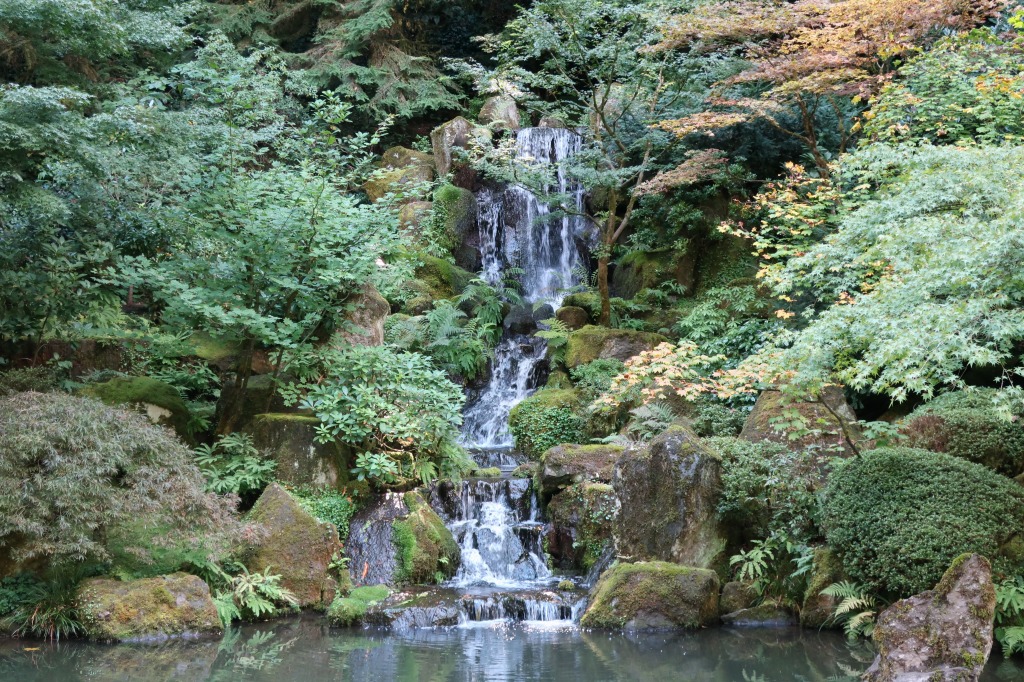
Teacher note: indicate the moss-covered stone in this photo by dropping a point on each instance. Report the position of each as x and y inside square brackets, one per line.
[401, 168]
[736, 596]
[412, 217]
[818, 608]
[587, 301]
[427, 551]
[160, 401]
[152, 609]
[260, 396]
[966, 424]
[290, 440]
[582, 519]
[669, 496]
[763, 615]
[640, 270]
[487, 472]
[653, 595]
[548, 418]
[350, 610]
[573, 317]
[592, 343]
[364, 316]
[830, 418]
[565, 465]
[296, 546]
[941, 635]
[500, 113]
[457, 134]
[454, 212]
[436, 279]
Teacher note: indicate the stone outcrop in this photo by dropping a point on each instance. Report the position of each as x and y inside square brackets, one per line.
[653, 595]
[942, 635]
[830, 417]
[564, 465]
[582, 519]
[500, 113]
[401, 168]
[158, 400]
[603, 343]
[290, 440]
[411, 219]
[148, 610]
[457, 134]
[669, 493]
[364, 322]
[296, 546]
[818, 608]
[737, 596]
[572, 317]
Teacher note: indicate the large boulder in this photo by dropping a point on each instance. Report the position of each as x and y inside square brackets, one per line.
[668, 493]
[457, 134]
[572, 317]
[412, 218]
[160, 401]
[736, 596]
[364, 317]
[296, 546]
[942, 635]
[290, 440]
[602, 343]
[153, 609]
[401, 168]
[500, 113]
[582, 519]
[653, 595]
[565, 465]
[830, 419]
[351, 609]
[818, 608]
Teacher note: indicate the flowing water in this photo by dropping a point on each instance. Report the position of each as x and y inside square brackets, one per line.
[520, 236]
[304, 650]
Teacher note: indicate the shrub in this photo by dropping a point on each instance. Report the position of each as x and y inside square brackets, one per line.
[716, 419]
[234, 465]
[594, 378]
[546, 419]
[41, 379]
[328, 506]
[74, 470]
[767, 489]
[966, 424]
[899, 516]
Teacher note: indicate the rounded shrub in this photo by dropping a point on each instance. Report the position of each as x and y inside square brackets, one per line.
[899, 516]
[546, 419]
[965, 424]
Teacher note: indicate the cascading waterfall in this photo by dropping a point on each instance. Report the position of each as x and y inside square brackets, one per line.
[518, 230]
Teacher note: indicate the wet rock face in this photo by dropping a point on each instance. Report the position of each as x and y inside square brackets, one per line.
[296, 546]
[668, 494]
[371, 552]
[818, 608]
[154, 609]
[457, 133]
[582, 518]
[942, 635]
[565, 465]
[653, 595]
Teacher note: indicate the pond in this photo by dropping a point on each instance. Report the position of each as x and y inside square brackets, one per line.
[304, 650]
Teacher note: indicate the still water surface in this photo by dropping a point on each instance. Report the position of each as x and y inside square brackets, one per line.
[303, 650]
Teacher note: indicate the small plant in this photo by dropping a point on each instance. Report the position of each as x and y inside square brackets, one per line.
[253, 595]
[649, 420]
[375, 466]
[557, 336]
[777, 567]
[234, 465]
[1009, 630]
[856, 610]
[45, 610]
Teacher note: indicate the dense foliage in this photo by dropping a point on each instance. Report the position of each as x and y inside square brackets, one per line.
[899, 516]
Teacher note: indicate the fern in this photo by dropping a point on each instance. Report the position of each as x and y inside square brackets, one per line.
[1010, 615]
[557, 336]
[856, 610]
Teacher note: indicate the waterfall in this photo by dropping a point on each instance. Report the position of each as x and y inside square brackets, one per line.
[517, 230]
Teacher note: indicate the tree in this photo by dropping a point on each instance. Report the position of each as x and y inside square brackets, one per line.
[585, 63]
[808, 55]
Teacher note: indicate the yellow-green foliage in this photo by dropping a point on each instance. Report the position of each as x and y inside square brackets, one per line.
[348, 611]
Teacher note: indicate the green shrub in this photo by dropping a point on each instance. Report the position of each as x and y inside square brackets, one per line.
[45, 609]
[715, 419]
[73, 471]
[965, 424]
[328, 506]
[39, 379]
[767, 489]
[234, 465]
[594, 378]
[899, 516]
[546, 419]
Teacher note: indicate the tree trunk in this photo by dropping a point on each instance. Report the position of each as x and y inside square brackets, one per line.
[232, 408]
[602, 287]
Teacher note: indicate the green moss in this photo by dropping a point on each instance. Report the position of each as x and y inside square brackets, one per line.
[548, 418]
[654, 593]
[454, 213]
[592, 343]
[589, 301]
[349, 611]
[444, 279]
[425, 548]
[171, 409]
[639, 270]
[210, 349]
[489, 472]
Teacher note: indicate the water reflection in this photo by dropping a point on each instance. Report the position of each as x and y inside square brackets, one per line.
[304, 650]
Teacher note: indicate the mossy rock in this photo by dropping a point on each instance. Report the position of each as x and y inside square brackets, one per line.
[582, 520]
[653, 595]
[558, 379]
[830, 417]
[548, 418]
[602, 343]
[565, 465]
[412, 217]
[669, 495]
[403, 157]
[296, 546]
[290, 440]
[455, 211]
[457, 133]
[965, 424]
[446, 280]
[158, 400]
[573, 317]
[487, 472]
[724, 261]
[818, 608]
[350, 610]
[401, 168]
[736, 596]
[260, 396]
[152, 609]
[219, 352]
[500, 113]
[639, 270]
[426, 550]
